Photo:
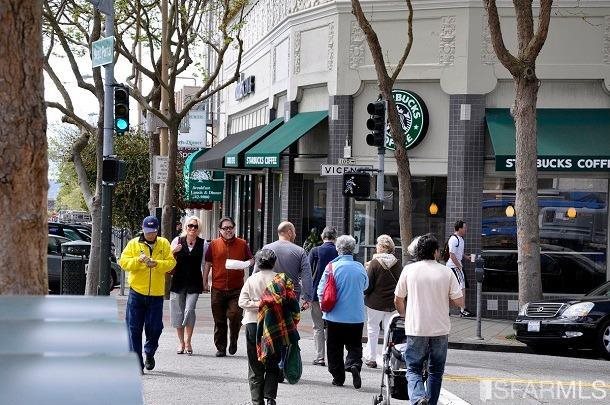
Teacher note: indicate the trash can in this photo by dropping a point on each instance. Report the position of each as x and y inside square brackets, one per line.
[73, 278]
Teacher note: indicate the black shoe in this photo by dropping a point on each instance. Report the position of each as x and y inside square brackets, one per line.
[356, 377]
[465, 314]
[422, 401]
[220, 353]
[337, 383]
[371, 363]
[318, 362]
[271, 401]
[280, 376]
[150, 362]
[233, 348]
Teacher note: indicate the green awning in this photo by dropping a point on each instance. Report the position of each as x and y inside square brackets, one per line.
[201, 185]
[267, 152]
[235, 156]
[568, 139]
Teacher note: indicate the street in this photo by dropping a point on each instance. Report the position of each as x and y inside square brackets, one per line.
[519, 378]
[471, 377]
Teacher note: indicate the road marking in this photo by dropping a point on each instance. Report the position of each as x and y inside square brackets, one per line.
[448, 398]
[474, 378]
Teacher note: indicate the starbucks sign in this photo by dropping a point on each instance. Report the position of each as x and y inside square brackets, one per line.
[413, 117]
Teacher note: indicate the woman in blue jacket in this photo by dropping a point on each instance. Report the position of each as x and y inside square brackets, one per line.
[346, 320]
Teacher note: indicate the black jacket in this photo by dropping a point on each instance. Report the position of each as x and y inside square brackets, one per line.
[187, 275]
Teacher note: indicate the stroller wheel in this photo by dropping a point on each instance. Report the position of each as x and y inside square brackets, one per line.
[377, 399]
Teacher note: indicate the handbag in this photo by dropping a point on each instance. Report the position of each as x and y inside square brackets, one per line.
[293, 366]
[329, 294]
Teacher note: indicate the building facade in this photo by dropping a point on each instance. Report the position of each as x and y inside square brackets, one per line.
[301, 106]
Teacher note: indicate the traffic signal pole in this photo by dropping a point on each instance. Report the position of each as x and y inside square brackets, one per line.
[380, 187]
[108, 151]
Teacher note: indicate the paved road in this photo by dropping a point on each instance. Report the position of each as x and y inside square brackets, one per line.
[520, 378]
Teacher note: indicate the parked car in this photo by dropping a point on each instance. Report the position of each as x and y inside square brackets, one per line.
[582, 322]
[54, 260]
[68, 231]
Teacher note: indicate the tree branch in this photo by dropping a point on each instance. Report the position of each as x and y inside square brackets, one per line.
[506, 58]
[407, 50]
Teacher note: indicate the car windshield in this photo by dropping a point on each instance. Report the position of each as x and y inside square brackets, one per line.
[601, 291]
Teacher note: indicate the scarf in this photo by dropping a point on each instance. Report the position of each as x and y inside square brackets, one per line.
[278, 316]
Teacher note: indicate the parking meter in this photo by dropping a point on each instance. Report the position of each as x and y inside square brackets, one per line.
[479, 269]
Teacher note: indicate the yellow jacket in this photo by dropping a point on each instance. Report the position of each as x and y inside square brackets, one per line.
[143, 279]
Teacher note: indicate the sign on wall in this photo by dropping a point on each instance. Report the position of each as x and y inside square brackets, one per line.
[558, 164]
[204, 186]
[413, 117]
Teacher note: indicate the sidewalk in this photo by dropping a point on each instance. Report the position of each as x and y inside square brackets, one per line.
[462, 336]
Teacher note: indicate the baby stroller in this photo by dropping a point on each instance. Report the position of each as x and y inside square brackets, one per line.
[394, 369]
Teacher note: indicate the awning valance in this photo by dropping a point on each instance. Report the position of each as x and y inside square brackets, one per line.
[267, 152]
[235, 156]
[568, 139]
[214, 158]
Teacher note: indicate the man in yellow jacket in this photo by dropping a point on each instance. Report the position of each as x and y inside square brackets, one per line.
[147, 259]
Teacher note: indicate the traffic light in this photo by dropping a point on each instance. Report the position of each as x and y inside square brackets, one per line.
[121, 108]
[357, 185]
[376, 123]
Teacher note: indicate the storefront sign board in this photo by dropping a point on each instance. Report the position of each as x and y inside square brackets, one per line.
[413, 117]
[559, 164]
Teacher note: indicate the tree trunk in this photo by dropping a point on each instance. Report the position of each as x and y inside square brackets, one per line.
[526, 204]
[167, 225]
[405, 203]
[93, 274]
[23, 150]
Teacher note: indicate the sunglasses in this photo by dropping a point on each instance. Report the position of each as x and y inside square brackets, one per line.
[192, 226]
[227, 228]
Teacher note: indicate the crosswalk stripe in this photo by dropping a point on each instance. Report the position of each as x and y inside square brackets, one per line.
[448, 398]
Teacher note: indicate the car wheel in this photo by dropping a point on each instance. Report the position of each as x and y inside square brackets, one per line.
[603, 340]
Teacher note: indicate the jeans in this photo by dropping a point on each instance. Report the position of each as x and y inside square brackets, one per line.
[418, 349]
[144, 312]
[263, 378]
[319, 337]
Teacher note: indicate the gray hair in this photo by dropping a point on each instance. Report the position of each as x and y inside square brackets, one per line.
[329, 233]
[386, 243]
[265, 259]
[412, 249]
[345, 244]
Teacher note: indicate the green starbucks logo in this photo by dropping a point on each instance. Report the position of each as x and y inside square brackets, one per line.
[413, 117]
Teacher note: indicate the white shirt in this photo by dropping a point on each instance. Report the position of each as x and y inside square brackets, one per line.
[428, 286]
[456, 246]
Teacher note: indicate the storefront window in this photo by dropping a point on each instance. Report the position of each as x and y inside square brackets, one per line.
[314, 205]
[428, 214]
[573, 220]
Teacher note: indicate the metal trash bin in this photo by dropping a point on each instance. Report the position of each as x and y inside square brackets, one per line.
[73, 278]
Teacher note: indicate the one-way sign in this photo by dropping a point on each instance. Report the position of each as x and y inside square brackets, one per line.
[339, 170]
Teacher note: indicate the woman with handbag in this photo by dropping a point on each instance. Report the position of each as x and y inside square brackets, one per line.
[345, 319]
[187, 282]
[383, 272]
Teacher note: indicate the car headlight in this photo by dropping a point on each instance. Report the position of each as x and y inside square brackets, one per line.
[523, 310]
[578, 310]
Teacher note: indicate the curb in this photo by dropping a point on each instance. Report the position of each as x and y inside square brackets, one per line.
[489, 347]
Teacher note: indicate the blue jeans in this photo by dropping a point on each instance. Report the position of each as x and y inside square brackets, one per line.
[144, 312]
[434, 348]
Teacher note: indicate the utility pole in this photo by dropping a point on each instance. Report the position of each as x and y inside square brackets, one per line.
[163, 130]
[107, 7]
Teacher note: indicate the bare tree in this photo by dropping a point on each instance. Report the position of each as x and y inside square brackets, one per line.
[386, 83]
[523, 69]
[186, 29]
[23, 150]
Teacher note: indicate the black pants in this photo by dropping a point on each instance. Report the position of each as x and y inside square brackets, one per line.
[340, 336]
[224, 305]
[263, 378]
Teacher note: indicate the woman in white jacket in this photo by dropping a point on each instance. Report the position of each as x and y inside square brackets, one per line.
[263, 378]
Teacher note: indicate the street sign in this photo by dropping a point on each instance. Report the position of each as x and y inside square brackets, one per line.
[346, 161]
[160, 169]
[339, 170]
[102, 51]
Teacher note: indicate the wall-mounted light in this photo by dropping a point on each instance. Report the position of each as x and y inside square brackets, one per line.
[571, 213]
[433, 209]
[510, 211]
